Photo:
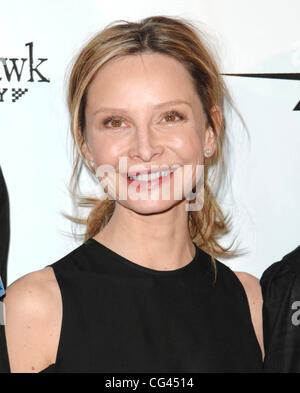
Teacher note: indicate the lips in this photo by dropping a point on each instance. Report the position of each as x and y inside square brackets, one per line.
[147, 184]
[142, 172]
[148, 171]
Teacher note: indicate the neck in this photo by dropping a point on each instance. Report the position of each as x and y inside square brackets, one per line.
[159, 241]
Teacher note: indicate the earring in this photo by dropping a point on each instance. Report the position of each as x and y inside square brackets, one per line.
[92, 163]
[207, 152]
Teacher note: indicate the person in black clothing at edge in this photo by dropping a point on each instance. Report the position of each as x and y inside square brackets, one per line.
[4, 247]
[144, 292]
[280, 285]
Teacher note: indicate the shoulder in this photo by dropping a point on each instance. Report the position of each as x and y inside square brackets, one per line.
[254, 295]
[251, 285]
[33, 312]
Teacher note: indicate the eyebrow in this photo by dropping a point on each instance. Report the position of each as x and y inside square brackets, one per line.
[158, 106]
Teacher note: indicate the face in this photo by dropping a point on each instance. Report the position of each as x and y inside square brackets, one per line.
[145, 109]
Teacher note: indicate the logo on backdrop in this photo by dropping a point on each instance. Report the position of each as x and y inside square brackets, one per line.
[286, 76]
[14, 69]
[20, 69]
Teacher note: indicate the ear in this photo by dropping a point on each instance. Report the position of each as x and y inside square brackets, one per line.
[210, 136]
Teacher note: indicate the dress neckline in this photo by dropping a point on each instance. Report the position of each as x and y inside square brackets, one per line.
[51, 367]
[189, 266]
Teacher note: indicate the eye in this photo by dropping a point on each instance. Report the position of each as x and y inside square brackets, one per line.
[171, 116]
[116, 122]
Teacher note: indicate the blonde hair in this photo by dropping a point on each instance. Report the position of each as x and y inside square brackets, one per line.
[179, 39]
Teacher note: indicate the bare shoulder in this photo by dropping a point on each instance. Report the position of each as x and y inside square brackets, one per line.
[251, 285]
[253, 291]
[33, 312]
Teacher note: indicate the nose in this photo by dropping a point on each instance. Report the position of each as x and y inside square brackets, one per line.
[145, 146]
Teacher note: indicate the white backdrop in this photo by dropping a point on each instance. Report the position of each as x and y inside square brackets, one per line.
[257, 36]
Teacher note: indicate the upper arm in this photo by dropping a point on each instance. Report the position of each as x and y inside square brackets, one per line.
[31, 322]
[253, 291]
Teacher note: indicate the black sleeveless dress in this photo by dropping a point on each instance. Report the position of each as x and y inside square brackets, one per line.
[120, 317]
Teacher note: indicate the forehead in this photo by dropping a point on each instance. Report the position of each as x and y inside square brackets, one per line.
[143, 78]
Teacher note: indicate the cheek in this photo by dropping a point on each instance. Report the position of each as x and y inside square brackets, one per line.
[105, 150]
[189, 146]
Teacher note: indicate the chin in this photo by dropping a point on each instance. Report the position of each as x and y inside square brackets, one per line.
[149, 206]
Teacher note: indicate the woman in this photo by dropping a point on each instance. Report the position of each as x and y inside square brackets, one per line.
[144, 292]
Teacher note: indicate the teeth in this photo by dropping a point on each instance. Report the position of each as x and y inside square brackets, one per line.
[152, 176]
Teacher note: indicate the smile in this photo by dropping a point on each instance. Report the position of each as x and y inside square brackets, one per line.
[146, 177]
[147, 181]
